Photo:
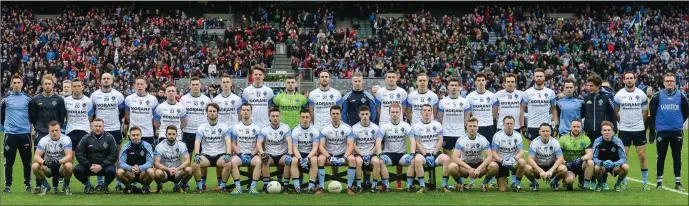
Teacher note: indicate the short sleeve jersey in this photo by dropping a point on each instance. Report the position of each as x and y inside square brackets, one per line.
[507, 145]
[482, 107]
[246, 136]
[170, 114]
[539, 103]
[171, 155]
[395, 137]
[545, 153]
[108, 105]
[471, 149]
[196, 111]
[78, 113]
[141, 112]
[212, 138]
[453, 115]
[229, 108]
[305, 137]
[573, 148]
[54, 150]
[385, 98]
[275, 140]
[428, 134]
[258, 98]
[365, 137]
[321, 102]
[509, 104]
[631, 104]
[336, 138]
[416, 100]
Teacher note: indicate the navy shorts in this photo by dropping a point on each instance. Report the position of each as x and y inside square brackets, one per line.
[117, 135]
[276, 159]
[75, 136]
[576, 168]
[448, 142]
[150, 140]
[488, 132]
[396, 157]
[213, 159]
[189, 139]
[54, 171]
[545, 168]
[532, 133]
[636, 138]
[504, 171]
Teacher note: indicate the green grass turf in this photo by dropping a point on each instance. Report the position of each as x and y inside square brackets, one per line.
[634, 195]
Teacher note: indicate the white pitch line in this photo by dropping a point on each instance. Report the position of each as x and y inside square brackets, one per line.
[665, 188]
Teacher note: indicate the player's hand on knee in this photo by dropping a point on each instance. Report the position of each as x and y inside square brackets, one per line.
[197, 158]
[265, 158]
[227, 158]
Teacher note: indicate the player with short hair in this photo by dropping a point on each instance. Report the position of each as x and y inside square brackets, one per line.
[229, 102]
[258, 95]
[355, 98]
[66, 88]
[14, 117]
[429, 139]
[393, 145]
[172, 162]
[540, 102]
[53, 158]
[79, 112]
[669, 110]
[138, 110]
[510, 103]
[508, 149]
[416, 99]
[136, 162]
[456, 111]
[362, 154]
[545, 160]
[569, 107]
[289, 102]
[212, 148]
[578, 152]
[321, 99]
[109, 106]
[390, 94]
[333, 146]
[484, 106]
[305, 139]
[97, 155]
[631, 103]
[244, 136]
[467, 160]
[277, 140]
[196, 104]
[170, 113]
[609, 157]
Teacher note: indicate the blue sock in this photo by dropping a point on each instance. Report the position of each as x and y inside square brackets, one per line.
[459, 180]
[312, 183]
[238, 184]
[358, 182]
[472, 180]
[321, 177]
[624, 181]
[45, 183]
[203, 180]
[351, 172]
[492, 180]
[295, 182]
[586, 183]
[253, 184]
[117, 181]
[88, 184]
[517, 181]
[445, 179]
[514, 178]
[199, 185]
[410, 180]
[386, 182]
[285, 182]
[374, 184]
[66, 184]
[486, 180]
[422, 183]
[219, 180]
[100, 180]
[222, 184]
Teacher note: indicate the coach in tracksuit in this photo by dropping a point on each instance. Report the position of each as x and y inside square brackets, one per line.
[596, 108]
[46, 107]
[355, 99]
[669, 109]
[97, 155]
[14, 116]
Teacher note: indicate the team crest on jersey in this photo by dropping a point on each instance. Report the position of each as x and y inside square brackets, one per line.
[311, 135]
[179, 111]
[112, 98]
[76, 106]
[488, 99]
[551, 148]
[638, 97]
[281, 132]
[515, 141]
[202, 103]
[429, 99]
[332, 96]
[402, 129]
[54, 103]
[613, 149]
[232, 102]
[142, 153]
[342, 133]
[581, 144]
[83, 105]
[59, 145]
[265, 93]
[297, 100]
[546, 95]
[219, 131]
[225, 103]
[253, 130]
[363, 100]
[148, 102]
[105, 145]
[600, 102]
[434, 128]
[399, 95]
[373, 132]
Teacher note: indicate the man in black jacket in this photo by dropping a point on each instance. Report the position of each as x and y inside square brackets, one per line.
[597, 107]
[46, 107]
[97, 155]
[355, 99]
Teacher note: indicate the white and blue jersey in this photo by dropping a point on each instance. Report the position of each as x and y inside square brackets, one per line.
[509, 104]
[141, 112]
[416, 100]
[453, 110]
[428, 134]
[54, 149]
[258, 98]
[78, 113]
[631, 106]
[539, 103]
[108, 105]
[172, 156]
[471, 149]
[545, 153]
[365, 137]
[395, 137]
[482, 107]
[275, 139]
[169, 114]
[213, 138]
[507, 145]
[229, 108]
[196, 111]
[305, 138]
[246, 136]
[336, 138]
[385, 98]
[321, 102]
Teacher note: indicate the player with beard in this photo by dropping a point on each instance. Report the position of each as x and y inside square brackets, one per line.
[172, 162]
[212, 148]
[631, 103]
[109, 104]
[540, 102]
[577, 151]
[321, 99]
[289, 102]
[510, 103]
